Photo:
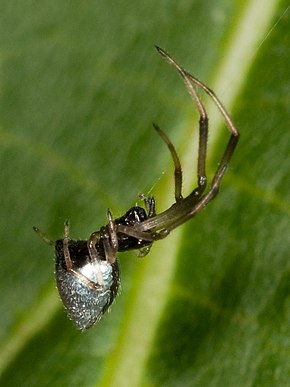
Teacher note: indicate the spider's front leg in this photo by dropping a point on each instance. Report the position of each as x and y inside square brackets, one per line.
[203, 132]
[185, 208]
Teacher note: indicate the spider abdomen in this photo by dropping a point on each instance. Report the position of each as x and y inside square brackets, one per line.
[86, 302]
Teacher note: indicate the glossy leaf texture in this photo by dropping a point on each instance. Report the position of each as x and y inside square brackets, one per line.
[80, 85]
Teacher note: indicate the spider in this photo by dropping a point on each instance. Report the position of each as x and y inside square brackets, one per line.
[87, 271]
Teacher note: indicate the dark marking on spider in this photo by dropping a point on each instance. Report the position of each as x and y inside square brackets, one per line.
[87, 271]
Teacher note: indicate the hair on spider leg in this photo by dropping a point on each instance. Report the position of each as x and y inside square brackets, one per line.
[87, 271]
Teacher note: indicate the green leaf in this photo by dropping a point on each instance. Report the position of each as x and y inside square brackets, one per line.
[80, 85]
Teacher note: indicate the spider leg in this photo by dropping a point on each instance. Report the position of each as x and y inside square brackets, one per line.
[43, 236]
[112, 232]
[227, 155]
[203, 123]
[110, 239]
[151, 210]
[149, 202]
[186, 208]
[189, 207]
[176, 161]
[135, 232]
[69, 264]
[189, 81]
[91, 244]
[66, 253]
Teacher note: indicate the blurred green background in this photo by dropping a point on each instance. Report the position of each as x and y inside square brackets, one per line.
[81, 83]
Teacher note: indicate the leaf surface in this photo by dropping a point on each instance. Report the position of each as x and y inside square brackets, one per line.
[80, 86]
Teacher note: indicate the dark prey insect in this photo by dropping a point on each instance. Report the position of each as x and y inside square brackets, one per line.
[87, 271]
